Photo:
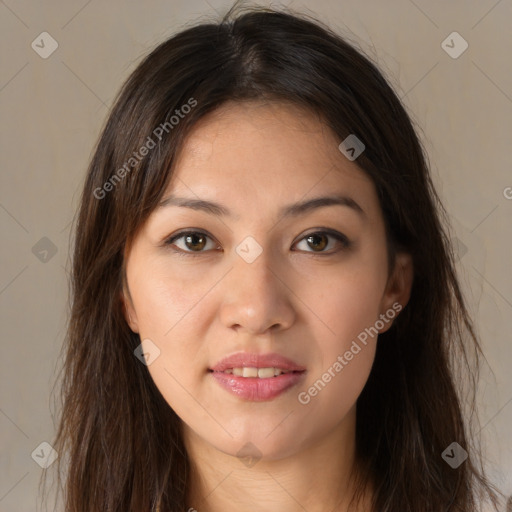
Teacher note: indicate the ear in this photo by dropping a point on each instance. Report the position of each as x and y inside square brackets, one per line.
[398, 288]
[128, 310]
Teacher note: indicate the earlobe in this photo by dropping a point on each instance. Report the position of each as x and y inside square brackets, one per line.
[398, 288]
[129, 312]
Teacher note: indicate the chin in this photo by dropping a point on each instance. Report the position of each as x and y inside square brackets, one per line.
[261, 446]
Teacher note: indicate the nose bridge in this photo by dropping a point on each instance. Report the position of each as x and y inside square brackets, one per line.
[256, 297]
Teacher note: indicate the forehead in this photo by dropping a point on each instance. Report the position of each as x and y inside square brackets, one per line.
[266, 152]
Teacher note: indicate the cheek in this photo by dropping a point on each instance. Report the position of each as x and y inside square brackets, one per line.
[347, 302]
[165, 314]
[347, 356]
[165, 301]
[348, 307]
[169, 318]
[328, 397]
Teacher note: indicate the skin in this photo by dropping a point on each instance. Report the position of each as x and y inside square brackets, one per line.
[294, 299]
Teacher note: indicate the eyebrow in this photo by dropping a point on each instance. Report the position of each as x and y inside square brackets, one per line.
[291, 210]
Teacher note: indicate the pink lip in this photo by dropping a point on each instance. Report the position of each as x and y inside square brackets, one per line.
[254, 388]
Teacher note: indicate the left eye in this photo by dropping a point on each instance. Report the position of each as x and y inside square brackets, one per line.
[320, 240]
[196, 241]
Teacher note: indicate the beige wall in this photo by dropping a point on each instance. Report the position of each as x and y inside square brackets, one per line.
[52, 110]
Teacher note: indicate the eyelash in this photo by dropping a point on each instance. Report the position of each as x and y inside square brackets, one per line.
[345, 242]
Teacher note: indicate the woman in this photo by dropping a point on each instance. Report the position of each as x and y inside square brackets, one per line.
[265, 313]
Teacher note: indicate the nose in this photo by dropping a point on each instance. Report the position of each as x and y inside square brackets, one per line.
[256, 297]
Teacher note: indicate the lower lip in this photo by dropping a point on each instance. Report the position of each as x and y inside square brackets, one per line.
[256, 389]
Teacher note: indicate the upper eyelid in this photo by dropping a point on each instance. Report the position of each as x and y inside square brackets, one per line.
[180, 234]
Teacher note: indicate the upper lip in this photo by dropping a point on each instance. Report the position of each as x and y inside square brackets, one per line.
[251, 360]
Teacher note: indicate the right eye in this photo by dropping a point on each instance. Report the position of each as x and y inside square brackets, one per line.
[193, 242]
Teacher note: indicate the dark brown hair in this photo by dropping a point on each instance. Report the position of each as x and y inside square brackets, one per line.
[121, 439]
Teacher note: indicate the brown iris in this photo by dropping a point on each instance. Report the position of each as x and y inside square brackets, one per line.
[314, 242]
[191, 240]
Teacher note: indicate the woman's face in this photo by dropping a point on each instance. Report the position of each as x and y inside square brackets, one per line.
[263, 276]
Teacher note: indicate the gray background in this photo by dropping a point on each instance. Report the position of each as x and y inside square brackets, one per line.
[53, 109]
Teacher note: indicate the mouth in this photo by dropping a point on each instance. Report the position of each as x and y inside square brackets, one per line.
[260, 373]
[247, 364]
[257, 377]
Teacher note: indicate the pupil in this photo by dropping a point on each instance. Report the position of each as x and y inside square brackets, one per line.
[316, 237]
[193, 237]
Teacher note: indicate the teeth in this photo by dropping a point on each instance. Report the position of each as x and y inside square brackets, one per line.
[262, 373]
[250, 372]
[265, 373]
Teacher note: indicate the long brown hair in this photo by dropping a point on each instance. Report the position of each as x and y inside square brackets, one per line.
[119, 441]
